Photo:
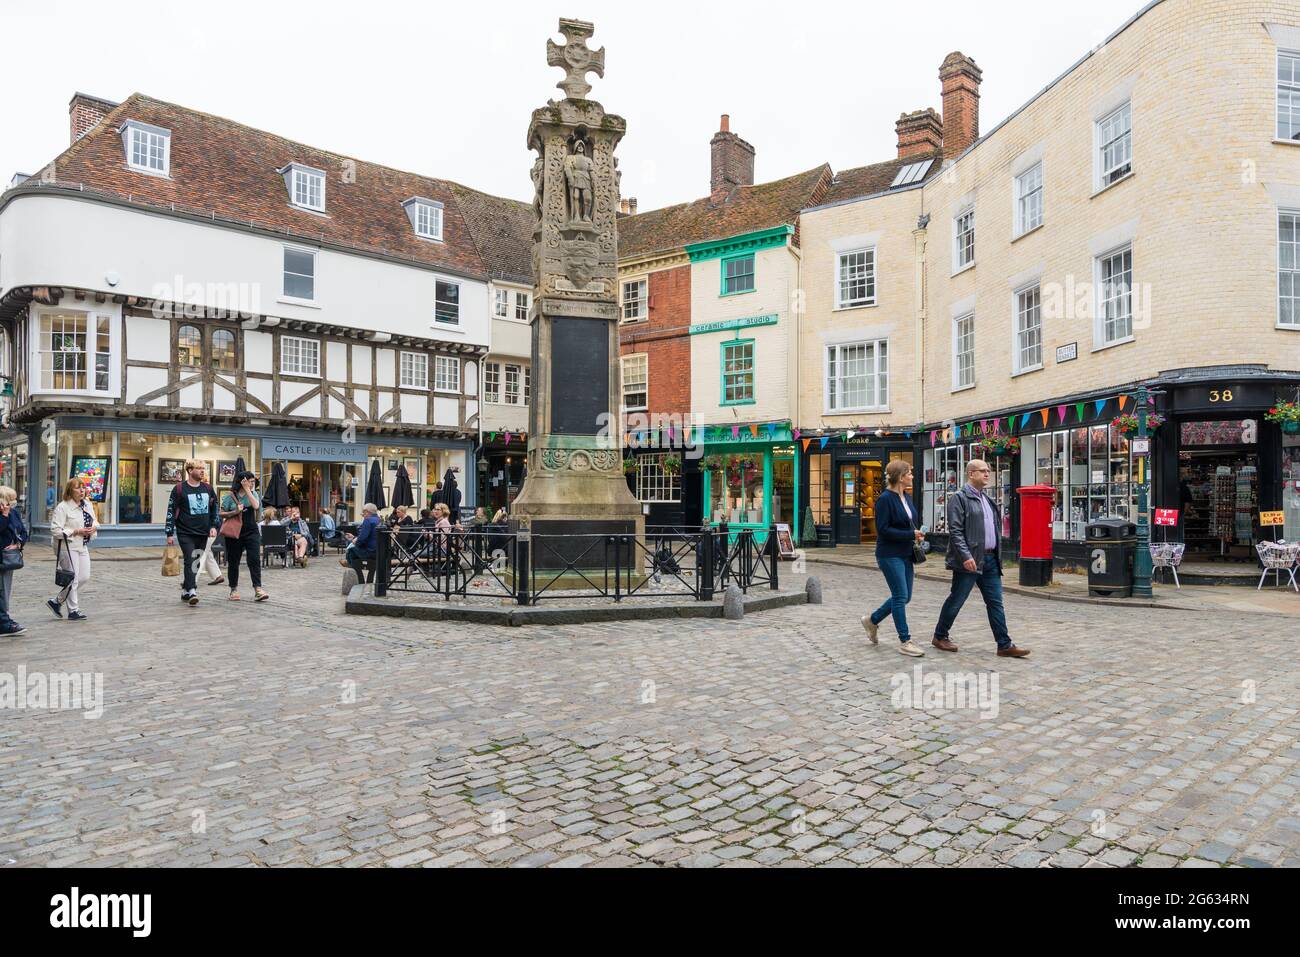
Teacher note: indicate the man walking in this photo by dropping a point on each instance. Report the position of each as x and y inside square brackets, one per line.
[191, 517]
[975, 559]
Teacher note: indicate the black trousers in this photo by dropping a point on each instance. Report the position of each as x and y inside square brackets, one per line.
[358, 565]
[192, 548]
[250, 545]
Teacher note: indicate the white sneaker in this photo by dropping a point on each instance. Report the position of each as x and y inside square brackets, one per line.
[909, 648]
[873, 630]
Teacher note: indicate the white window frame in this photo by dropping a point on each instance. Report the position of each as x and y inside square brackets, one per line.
[523, 302]
[1291, 92]
[285, 272]
[413, 370]
[653, 484]
[438, 319]
[642, 360]
[428, 221]
[492, 383]
[500, 303]
[301, 180]
[1110, 172]
[301, 368]
[1293, 273]
[1029, 199]
[958, 340]
[446, 374]
[636, 308]
[833, 364]
[90, 333]
[1100, 339]
[960, 245]
[1019, 312]
[155, 141]
[512, 384]
[868, 277]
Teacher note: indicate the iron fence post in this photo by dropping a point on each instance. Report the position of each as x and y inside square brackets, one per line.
[704, 567]
[618, 577]
[522, 569]
[774, 556]
[381, 564]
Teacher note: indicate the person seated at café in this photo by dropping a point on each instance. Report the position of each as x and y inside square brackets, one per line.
[299, 535]
[328, 527]
[270, 516]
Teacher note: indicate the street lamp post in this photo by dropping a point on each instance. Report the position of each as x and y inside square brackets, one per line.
[1142, 560]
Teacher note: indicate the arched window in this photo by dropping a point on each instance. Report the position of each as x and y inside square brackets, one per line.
[223, 350]
[189, 346]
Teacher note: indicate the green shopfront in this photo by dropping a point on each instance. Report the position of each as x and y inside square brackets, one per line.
[751, 476]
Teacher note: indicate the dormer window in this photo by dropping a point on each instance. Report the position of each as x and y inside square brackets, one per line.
[148, 148]
[425, 216]
[306, 186]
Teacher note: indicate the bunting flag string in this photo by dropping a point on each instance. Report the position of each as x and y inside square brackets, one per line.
[1100, 404]
[1123, 401]
[806, 443]
[1062, 411]
[825, 439]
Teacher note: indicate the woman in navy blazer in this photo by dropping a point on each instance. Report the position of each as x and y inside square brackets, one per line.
[898, 526]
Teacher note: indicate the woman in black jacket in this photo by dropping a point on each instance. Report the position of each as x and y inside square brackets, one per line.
[897, 529]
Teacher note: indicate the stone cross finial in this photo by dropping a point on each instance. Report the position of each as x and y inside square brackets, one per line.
[575, 58]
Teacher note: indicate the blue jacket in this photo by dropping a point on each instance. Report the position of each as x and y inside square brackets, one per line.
[367, 537]
[895, 532]
[12, 529]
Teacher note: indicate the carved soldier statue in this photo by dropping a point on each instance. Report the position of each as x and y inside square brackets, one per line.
[577, 178]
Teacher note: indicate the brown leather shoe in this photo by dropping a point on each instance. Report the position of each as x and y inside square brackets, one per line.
[1011, 651]
[943, 644]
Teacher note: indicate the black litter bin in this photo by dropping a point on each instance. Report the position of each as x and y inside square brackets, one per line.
[1112, 544]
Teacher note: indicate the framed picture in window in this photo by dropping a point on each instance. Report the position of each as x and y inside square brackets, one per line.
[392, 465]
[128, 476]
[412, 468]
[93, 472]
[170, 471]
[225, 473]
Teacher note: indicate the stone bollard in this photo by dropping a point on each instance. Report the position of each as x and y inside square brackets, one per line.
[349, 579]
[813, 589]
[733, 603]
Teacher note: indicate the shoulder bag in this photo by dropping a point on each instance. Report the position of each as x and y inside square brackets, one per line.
[63, 577]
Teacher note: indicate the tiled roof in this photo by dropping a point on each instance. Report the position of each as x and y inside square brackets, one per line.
[224, 168]
[503, 231]
[876, 178]
[749, 209]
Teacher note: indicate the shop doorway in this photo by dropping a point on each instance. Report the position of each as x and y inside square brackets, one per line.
[1218, 491]
[860, 484]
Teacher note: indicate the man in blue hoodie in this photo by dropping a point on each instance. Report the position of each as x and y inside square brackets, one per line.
[191, 517]
[364, 543]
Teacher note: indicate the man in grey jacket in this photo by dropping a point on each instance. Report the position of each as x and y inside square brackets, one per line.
[974, 557]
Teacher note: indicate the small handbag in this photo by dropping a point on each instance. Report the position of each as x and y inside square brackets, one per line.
[63, 577]
[11, 559]
[918, 553]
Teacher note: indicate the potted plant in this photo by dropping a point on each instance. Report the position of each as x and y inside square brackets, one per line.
[672, 464]
[629, 465]
[991, 446]
[1287, 415]
[808, 534]
[1127, 424]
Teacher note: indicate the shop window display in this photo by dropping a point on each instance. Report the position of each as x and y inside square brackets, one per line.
[819, 488]
[1291, 487]
[13, 469]
[736, 488]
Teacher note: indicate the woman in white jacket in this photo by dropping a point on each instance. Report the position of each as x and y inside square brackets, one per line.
[72, 526]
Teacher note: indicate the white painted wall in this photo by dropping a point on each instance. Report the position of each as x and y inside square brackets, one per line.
[148, 340]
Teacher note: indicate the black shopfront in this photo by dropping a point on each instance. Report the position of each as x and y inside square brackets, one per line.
[844, 478]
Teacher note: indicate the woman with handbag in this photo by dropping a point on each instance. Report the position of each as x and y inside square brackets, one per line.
[238, 513]
[13, 535]
[898, 548]
[72, 526]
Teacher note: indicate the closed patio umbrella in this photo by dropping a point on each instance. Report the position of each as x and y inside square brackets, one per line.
[240, 469]
[375, 486]
[277, 490]
[402, 492]
[451, 493]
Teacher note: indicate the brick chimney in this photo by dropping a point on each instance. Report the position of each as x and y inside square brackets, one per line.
[960, 78]
[84, 112]
[732, 163]
[627, 206]
[919, 133]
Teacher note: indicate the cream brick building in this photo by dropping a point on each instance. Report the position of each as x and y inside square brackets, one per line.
[1129, 225]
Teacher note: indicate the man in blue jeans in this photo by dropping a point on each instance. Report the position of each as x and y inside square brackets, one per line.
[975, 560]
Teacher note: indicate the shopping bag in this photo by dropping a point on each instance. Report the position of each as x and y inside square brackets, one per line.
[171, 563]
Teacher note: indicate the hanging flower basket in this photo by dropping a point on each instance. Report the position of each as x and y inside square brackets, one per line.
[672, 464]
[629, 465]
[991, 446]
[1287, 415]
[714, 463]
[1127, 424]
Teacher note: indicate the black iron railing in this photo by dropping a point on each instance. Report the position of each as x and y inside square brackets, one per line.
[670, 562]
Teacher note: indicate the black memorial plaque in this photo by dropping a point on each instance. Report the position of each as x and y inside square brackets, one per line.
[579, 375]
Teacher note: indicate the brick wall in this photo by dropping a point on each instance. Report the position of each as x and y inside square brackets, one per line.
[663, 337]
[83, 113]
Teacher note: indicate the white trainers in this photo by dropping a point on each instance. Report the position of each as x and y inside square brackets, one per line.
[909, 648]
[873, 630]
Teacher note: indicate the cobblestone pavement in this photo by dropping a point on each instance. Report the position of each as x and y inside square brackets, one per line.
[289, 733]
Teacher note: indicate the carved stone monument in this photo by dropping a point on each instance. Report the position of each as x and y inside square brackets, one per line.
[575, 482]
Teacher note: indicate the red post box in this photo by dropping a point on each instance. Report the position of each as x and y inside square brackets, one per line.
[1036, 534]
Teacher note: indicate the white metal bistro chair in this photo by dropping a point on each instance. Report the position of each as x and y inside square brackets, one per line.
[1168, 555]
[1278, 557]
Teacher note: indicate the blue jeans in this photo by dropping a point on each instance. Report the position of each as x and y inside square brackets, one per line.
[989, 581]
[898, 575]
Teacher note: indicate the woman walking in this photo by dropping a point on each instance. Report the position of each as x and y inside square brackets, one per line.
[897, 532]
[238, 513]
[13, 535]
[72, 526]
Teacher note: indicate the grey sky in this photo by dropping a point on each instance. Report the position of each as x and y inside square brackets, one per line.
[446, 89]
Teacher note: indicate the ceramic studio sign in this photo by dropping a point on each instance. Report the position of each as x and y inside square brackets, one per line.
[725, 324]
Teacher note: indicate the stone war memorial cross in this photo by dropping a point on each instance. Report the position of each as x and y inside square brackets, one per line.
[575, 484]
